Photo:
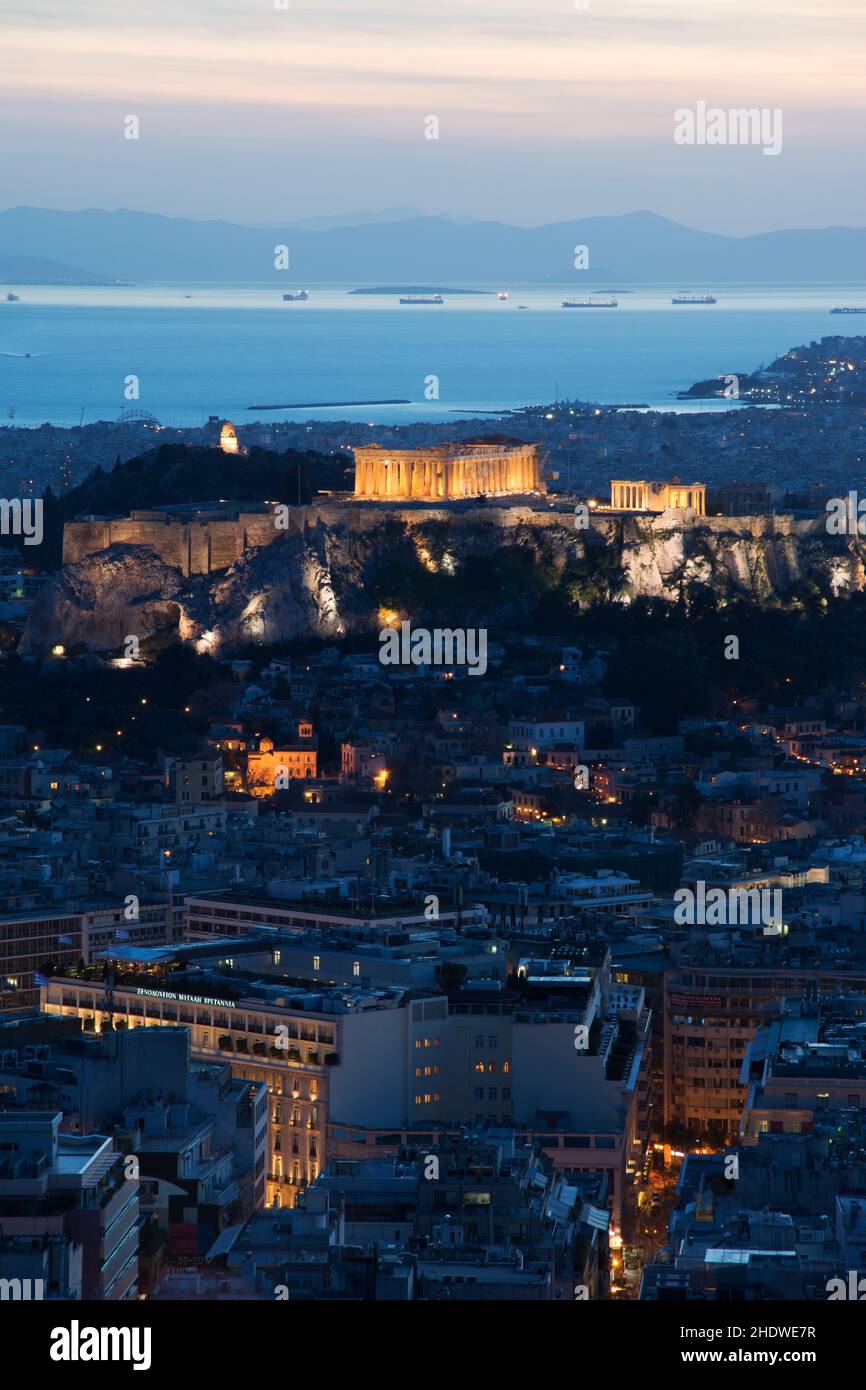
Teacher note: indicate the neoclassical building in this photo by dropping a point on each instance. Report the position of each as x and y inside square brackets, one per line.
[453, 470]
[657, 497]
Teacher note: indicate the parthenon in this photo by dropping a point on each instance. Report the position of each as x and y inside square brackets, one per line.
[657, 497]
[452, 471]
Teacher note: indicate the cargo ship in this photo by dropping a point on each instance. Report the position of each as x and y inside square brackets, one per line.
[694, 299]
[421, 299]
[848, 309]
[594, 302]
[299, 294]
[13, 298]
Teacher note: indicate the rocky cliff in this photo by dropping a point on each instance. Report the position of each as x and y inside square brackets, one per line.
[490, 565]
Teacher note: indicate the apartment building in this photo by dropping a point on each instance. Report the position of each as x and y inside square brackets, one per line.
[73, 1187]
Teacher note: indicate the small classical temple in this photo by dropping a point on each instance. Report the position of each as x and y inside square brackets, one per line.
[449, 471]
[657, 497]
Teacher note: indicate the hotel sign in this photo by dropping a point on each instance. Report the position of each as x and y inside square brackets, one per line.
[185, 998]
[695, 1001]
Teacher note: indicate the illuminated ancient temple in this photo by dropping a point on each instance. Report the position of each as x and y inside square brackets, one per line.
[451, 471]
[626, 496]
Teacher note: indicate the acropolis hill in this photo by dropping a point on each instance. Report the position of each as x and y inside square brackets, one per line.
[222, 578]
[202, 539]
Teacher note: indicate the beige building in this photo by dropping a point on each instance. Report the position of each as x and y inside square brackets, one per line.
[454, 470]
[194, 538]
[657, 497]
[319, 1055]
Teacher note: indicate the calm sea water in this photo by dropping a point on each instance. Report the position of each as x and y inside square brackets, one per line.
[202, 350]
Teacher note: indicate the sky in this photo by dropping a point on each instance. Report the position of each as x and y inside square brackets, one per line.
[254, 113]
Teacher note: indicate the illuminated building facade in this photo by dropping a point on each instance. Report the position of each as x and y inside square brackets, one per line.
[269, 768]
[452, 471]
[312, 1049]
[644, 496]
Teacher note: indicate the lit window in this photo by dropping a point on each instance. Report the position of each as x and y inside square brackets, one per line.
[356, 967]
[317, 963]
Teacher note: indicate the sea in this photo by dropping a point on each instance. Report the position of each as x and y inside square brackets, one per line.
[181, 352]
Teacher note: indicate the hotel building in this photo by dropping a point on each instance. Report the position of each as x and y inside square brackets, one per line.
[357, 1070]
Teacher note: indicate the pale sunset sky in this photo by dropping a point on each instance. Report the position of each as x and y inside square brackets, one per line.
[257, 114]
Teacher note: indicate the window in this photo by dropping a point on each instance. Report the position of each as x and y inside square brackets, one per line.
[356, 967]
[317, 963]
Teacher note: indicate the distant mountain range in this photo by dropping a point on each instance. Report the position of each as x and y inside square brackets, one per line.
[361, 219]
[638, 246]
[36, 270]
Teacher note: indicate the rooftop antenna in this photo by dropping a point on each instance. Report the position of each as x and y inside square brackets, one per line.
[109, 995]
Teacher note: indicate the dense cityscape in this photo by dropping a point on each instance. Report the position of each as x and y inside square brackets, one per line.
[432, 684]
[525, 968]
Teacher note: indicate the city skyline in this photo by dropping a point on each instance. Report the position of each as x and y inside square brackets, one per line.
[432, 710]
